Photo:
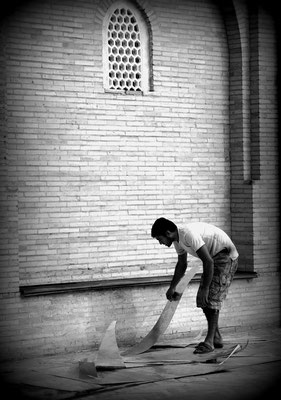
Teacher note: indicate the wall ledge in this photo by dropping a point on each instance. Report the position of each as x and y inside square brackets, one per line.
[68, 287]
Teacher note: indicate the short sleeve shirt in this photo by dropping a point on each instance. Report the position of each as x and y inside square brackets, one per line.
[196, 234]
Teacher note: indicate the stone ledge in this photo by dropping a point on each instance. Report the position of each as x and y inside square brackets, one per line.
[68, 287]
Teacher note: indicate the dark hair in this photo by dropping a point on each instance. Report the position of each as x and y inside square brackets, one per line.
[161, 226]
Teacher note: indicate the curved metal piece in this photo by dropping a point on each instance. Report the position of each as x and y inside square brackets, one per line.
[164, 320]
[108, 356]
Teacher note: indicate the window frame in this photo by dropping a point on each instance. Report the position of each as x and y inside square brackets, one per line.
[144, 46]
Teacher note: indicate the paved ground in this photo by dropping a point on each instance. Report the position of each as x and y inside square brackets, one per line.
[252, 373]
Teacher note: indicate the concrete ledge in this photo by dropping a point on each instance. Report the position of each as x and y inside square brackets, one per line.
[57, 288]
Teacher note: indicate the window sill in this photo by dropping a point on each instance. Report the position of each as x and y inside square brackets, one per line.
[58, 288]
[125, 92]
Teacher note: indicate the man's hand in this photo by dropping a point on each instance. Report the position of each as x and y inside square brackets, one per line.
[203, 295]
[172, 295]
[170, 292]
[180, 269]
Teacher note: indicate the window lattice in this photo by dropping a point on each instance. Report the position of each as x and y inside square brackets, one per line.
[124, 51]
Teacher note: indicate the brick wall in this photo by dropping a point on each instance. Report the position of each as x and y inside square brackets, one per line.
[95, 169]
[87, 171]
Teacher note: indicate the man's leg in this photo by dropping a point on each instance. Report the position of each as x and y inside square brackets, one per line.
[223, 275]
[212, 317]
[218, 341]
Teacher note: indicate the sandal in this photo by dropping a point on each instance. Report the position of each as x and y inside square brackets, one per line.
[203, 348]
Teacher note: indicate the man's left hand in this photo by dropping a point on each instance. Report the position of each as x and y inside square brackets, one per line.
[203, 296]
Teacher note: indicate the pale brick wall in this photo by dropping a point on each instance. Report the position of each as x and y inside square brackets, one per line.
[95, 169]
[88, 172]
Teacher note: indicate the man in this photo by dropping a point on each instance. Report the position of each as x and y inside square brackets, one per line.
[220, 259]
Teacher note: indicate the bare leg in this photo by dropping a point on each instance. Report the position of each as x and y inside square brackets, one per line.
[213, 333]
[218, 342]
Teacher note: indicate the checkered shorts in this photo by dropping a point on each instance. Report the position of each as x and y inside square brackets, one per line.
[224, 270]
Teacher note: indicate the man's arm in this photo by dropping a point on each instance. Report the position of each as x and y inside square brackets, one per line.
[178, 274]
[208, 272]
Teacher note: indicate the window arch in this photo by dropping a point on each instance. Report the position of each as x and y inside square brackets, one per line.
[125, 49]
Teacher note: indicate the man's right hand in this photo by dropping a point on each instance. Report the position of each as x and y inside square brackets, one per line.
[171, 294]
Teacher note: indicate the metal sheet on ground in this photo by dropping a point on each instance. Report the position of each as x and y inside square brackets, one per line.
[156, 373]
[45, 380]
[181, 356]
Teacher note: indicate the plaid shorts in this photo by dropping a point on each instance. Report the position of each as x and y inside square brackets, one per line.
[224, 270]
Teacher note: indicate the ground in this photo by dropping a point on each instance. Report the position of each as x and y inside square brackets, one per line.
[172, 373]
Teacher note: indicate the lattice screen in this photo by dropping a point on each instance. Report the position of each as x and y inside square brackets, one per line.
[124, 51]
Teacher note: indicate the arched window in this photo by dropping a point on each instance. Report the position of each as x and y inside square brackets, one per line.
[125, 49]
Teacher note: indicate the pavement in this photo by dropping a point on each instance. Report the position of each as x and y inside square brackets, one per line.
[167, 371]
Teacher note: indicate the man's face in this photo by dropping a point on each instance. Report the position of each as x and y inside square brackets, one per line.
[164, 240]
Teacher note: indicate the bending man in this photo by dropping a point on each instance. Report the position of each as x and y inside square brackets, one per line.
[220, 259]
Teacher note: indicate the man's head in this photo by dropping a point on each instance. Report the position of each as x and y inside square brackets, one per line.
[165, 231]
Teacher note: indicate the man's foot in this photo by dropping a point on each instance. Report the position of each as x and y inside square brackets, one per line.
[203, 348]
[218, 344]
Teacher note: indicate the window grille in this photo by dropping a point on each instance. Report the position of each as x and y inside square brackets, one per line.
[126, 51]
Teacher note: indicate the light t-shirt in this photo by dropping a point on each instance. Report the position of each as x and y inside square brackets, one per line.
[195, 234]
